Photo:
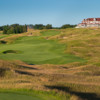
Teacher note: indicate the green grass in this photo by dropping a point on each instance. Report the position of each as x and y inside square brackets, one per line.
[12, 96]
[50, 32]
[35, 50]
[24, 94]
[11, 51]
[3, 36]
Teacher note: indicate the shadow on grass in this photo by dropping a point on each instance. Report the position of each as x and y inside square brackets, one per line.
[3, 42]
[82, 95]
[21, 66]
[24, 73]
[31, 64]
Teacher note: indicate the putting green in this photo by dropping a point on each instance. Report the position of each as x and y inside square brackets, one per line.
[13, 96]
[37, 50]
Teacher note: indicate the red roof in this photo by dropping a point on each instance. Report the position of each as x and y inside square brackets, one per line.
[90, 19]
[97, 19]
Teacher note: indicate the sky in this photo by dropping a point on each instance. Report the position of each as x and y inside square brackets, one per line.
[55, 12]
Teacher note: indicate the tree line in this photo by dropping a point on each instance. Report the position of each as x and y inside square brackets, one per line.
[67, 26]
[40, 26]
[16, 28]
[49, 26]
[13, 29]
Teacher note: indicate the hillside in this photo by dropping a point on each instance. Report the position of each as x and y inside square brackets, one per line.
[81, 42]
[74, 76]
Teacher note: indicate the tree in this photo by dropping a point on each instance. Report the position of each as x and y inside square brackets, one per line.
[48, 26]
[1, 28]
[39, 26]
[15, 28]
[5, 29]
[67, 26]
[12, 30]
[25, 28]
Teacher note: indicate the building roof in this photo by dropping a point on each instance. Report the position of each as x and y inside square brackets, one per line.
[97, 19]
[92, 19]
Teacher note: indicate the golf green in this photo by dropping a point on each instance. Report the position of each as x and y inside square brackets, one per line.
[14, 96]
[36, 50]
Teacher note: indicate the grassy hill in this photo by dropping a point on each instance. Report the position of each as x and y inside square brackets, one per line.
[66, 62]
[84, 43]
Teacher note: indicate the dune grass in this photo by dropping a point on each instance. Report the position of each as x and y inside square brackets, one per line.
[84, 43]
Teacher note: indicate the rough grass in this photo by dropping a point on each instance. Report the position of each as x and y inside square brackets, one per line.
[17, 84]
[84, 43]
[1, 32]
[62, 80]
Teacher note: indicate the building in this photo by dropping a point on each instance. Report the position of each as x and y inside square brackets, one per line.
[89, 22]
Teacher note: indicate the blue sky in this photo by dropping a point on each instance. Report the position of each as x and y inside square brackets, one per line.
[55, 12]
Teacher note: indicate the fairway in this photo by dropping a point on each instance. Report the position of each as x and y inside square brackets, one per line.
[13, 96]
[36, 50]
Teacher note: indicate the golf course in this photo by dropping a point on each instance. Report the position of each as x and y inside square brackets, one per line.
[49, 50]
[36, 50]
[50, 64]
